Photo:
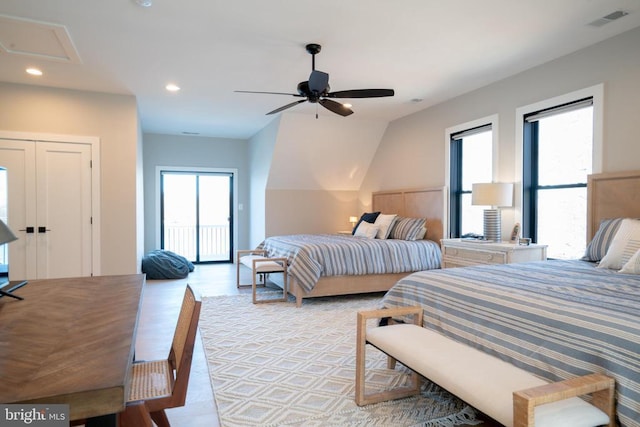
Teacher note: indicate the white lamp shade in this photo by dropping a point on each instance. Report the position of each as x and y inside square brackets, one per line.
[492, 194]
[6, 235]
[353, 219]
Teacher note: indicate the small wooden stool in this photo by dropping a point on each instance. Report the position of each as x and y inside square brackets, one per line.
[259, 263]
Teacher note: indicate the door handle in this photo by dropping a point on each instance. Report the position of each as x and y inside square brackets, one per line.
[43, 229]
[28, 229]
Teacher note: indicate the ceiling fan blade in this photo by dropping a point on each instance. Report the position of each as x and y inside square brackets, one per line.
[269, 93]
[318, 81]
[336, 107]
[277, 110]
[361, 93]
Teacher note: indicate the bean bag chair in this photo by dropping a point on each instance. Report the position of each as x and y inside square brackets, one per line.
[160, 264]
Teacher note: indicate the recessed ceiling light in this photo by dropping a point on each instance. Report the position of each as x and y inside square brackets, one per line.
[172, 87]
[33, 71]
[144, 3]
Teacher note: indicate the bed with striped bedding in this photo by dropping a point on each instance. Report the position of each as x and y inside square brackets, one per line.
[312, 256]
[556, 319]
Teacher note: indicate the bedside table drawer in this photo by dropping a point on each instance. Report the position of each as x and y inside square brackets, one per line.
[461, 253]
[475, 255]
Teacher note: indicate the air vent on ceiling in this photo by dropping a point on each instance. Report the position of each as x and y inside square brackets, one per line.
[608, 18]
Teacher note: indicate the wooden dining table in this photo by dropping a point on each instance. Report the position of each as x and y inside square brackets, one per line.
[70, 341]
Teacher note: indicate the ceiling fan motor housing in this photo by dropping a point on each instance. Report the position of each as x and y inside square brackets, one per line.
[303, 90]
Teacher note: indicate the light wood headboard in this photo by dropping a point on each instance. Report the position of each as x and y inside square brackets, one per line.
[612, 195]
[429, 203]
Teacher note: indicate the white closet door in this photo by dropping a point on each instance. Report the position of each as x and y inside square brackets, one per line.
[18, 158]
[49, 193]
[63, 209]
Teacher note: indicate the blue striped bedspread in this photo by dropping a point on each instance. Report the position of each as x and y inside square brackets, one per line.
[311, 256]
[557, 319]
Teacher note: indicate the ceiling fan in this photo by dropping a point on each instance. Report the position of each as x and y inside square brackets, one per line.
[316, 90]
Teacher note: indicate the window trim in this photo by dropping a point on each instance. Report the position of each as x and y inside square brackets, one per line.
[492, 121]
[597, 94]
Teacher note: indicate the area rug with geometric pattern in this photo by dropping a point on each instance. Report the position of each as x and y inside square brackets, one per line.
[277, 365]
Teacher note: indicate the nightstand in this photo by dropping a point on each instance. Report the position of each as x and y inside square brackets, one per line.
[345, 232]
[463, 253]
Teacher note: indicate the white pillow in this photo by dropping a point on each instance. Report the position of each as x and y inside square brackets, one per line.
[384, 222]
[625, 243]
[366, 229]
[633, 265]
[421, 234]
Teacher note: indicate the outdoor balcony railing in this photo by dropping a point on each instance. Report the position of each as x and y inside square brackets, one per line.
[214, 241]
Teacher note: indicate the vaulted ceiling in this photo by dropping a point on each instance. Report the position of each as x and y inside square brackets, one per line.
[427, 50]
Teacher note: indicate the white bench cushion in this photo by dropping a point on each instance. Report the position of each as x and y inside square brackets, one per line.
[264, 266]
[483, 381]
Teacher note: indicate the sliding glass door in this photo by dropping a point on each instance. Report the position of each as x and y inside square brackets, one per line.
[197, 215]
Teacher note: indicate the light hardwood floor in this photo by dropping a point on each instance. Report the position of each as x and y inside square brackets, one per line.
[158, 316]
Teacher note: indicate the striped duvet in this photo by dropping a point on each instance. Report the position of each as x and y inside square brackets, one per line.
[311, 256]
[557, 319]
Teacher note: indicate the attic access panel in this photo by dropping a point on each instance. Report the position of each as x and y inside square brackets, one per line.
[37, 39]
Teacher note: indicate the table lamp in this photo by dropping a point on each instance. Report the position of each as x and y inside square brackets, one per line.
[492, 194]
[353, 220]
[6, 236]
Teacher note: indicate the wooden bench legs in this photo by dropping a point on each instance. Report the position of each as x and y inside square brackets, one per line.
[600, 387]
[361, 397]
[506, 393]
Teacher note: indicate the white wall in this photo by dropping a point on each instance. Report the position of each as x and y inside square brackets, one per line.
[260, 159]
[315, 212]
[327, 153]
[140, 210]
[194, 152]
[113, 119]
[411, 153]
[306, 173]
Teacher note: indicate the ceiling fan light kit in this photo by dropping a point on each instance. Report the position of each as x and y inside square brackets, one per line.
[317, 90]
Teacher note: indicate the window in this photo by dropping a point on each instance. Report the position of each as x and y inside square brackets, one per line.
[557, 157]
[471, 161]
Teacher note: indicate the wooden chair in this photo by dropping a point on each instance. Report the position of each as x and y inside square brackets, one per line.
[162, 384]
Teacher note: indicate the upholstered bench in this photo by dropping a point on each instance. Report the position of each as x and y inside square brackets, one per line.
[506, 393]
[260, 264]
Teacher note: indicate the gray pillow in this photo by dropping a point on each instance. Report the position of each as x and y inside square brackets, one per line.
[407, 228]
